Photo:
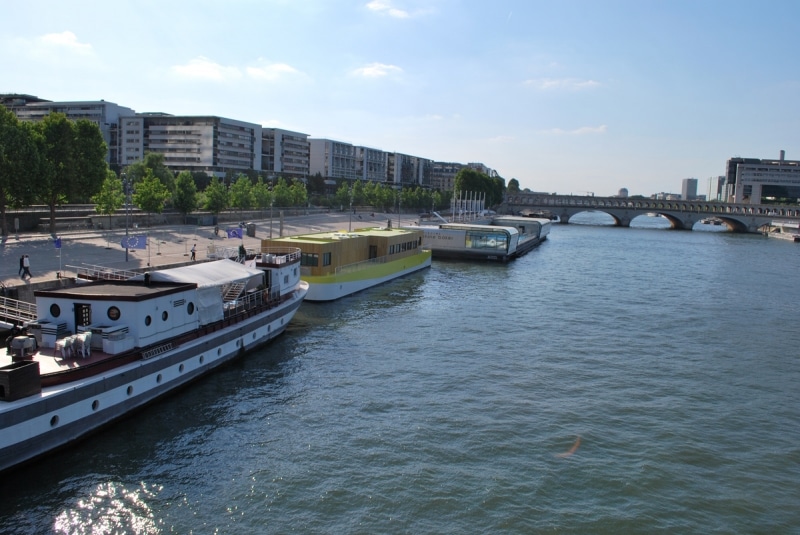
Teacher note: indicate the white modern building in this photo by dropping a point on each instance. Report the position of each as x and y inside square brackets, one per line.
[106, 115]
[332, 159]
[206, 143]
[689, 189]
[752, 180]
[285, 153]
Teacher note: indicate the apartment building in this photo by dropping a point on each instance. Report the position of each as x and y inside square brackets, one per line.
[405, 171]
[285, 153]
[205, 143]
[106, 115]
[332, 159]
[371, 164]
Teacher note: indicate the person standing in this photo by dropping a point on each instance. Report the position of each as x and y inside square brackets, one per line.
[194, 250]
[26, 267]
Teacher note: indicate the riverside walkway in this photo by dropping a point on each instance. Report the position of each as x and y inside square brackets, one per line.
[168, 245]
[683, 215]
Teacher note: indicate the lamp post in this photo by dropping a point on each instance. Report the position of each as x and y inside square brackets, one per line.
[271, 203]
[126, 191]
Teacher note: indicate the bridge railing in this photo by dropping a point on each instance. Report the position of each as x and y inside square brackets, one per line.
[704, 207]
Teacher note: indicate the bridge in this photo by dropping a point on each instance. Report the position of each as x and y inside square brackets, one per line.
[682, 215]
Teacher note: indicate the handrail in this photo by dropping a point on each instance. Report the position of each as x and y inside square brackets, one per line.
[15, 310]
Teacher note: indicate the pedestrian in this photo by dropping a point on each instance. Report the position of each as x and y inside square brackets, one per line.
[194, 249]
[21, 264]
[26, 267]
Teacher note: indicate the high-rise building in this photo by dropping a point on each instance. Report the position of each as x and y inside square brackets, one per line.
[689, 189]
[285, 153]
[752, 180]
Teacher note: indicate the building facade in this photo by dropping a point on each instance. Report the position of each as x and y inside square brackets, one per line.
[689, 189]
[333, 160]
[106, 115]
[285, 153]
[210, 144]
[752, 180]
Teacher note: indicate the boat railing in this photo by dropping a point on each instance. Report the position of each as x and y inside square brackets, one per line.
[251, 300]
[358, 266]
[17, 311]
[95, 272]
[280, 255]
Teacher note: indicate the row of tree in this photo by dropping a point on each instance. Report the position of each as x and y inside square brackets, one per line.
[58, 161]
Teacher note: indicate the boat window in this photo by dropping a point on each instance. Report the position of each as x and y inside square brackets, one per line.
[55, 310]
[164, 316]
[326, 259]
[148, 320]
[113, 313]
[190, 308]
[309, 259]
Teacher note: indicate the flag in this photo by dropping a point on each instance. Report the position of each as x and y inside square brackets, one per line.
[134, 242]
[57, 243]
[235, 233]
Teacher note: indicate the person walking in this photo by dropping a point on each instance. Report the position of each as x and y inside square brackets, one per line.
[26, 267]
[194, 250]
[21, 264]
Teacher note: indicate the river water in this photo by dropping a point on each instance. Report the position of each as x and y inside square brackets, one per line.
[611, 381]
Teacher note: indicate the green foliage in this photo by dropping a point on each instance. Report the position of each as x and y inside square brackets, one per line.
[154, 162]
[241, 194]
[469, 182]
[111, 196]
[216, 197]
[72, 161]
[299, 194]
[282, 193]
[185, 197]
[262, 194]
[150, 194]
[513, 186]
[19, 162]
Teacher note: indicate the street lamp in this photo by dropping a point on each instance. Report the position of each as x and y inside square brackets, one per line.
[271, 202]
[126, 191]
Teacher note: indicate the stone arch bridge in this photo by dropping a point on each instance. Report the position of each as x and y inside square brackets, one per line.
[682, 215]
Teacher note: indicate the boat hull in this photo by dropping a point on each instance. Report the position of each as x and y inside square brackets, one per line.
[60, 415]
[331, 287]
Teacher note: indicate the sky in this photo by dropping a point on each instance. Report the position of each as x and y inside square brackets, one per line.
[566, 96]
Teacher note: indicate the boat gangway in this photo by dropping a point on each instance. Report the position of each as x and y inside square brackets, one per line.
[16, 312]
[94, 273]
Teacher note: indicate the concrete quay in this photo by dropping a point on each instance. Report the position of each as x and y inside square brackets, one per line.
[168, 245]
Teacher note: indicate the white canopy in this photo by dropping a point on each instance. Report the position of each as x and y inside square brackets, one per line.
[216, 273]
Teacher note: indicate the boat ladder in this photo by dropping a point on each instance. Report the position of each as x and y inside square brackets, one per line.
[232, 291]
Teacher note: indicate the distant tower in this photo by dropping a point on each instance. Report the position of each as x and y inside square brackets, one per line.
[623, 193]
[689, 189]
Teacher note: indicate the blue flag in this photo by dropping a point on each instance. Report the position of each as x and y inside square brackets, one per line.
[235, 233]
[134, 242]
[57, 243]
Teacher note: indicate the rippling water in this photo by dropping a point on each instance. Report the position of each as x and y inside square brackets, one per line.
[613, 380]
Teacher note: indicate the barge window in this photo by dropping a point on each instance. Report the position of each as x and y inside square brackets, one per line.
[113, 313]
[55, 310]
[148, 320]
[309, 259]
[326, 259]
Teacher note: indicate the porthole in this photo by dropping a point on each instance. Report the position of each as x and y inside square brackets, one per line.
[129, 390]
[54, 421]
[164, 316]
[254, 336]
[238, 343]
[148, 320]
[180, 368]
[219, 351]
[95, 405]
[113, 313]
[55, 310]
[190, 308]
[202, 359]
[158, 378]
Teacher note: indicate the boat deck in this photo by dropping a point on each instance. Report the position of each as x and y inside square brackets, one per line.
[51, 361]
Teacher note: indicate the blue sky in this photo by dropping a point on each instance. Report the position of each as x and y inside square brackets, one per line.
[565, 96]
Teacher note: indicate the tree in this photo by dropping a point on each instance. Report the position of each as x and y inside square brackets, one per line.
[513, 186]
[262, 194]
[281, 192]
[241, 194]
[216, 197]
[155, 163]
[19, 161]
[72, 161]
[185, 197]
[150, 194]
[298, 192]
[111, 196]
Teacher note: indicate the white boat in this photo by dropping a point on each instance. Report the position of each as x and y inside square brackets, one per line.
[503, 238]
[336, 264]
[102, 349]
[784, 230]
